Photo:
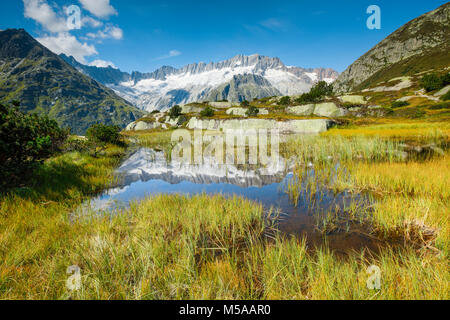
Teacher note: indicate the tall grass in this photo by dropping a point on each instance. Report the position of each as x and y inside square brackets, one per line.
[173, 247]
[422, 131]
[202, 247]
[331, 150]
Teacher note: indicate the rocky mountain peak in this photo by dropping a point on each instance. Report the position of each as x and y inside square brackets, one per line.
[420, 45]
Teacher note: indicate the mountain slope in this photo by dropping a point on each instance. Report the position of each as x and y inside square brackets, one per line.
[46, 84]
[101, 75]
[420, 45]
[168, 86]
[243, 87]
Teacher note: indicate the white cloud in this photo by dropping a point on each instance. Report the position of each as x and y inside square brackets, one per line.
[43, 13]
[172, 53]
[109, 32]
[273, 24]
[102, 64]
[69, 45]
[91, 22]
[99, 8]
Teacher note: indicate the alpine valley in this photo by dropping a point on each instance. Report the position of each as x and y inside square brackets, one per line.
[236, 79]
[44, 83]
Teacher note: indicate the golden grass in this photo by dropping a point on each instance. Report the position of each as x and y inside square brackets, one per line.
[412, 197]
[411, 129]
[174, 247]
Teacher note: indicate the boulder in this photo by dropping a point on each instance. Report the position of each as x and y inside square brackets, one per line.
[442, 91]
[329, 109]
[353, 99]
[305, 110]
[294, 126]
[175, 122]
[237, 112]
[142, 125]
[190, 109]
[221, 105]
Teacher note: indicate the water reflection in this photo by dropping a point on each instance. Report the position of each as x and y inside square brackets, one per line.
[147, 172]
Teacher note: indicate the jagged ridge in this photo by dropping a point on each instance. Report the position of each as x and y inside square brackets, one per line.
[420, 45]
[46, 84]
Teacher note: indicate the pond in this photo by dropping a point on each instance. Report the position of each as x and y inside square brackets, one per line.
[147, 172]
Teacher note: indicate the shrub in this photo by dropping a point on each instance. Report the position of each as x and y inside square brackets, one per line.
[316, 94]
[440, 106]
[446, 96]
[25, 141]
[175, 112]
[102, 134]
[207, 112]
[245, 104]
[431, 82]
[252, 111]
[154, 112]
[285, 101]
[399, 104]
[76, 145]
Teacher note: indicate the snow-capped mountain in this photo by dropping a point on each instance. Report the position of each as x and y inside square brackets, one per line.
[168, 86]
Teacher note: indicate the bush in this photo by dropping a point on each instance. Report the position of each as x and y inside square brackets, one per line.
[175, 112]
[245, 104]
[207, 112]
[102, 134]
[440, 106]
[399, 104]
[446, 96]
[25, 141]
[252, 111]
[431, 82]
[321, 90]
[154, 112]
[285, 101]
[76, 145]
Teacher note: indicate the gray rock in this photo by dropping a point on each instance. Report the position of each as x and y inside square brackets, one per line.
[221, 105]
[442, 91]
[412, 42]
[190, 109]
[237, 112]
[142, 125]
[305, 110]
[294, 126]
[353, 99]
[329, 109]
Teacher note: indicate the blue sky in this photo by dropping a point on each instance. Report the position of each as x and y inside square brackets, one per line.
[144, 35]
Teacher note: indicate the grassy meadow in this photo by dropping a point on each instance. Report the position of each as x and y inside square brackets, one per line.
[202, 247]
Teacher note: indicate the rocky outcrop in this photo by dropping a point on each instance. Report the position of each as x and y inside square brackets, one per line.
[44, 83]
[236, 79]
[305, 110]
[221, 105]
[353, 99]
[243, 87]
[327, 109]
[290, 126]
[143, 125]
[237, 112]
[190, 109]
[420, 45]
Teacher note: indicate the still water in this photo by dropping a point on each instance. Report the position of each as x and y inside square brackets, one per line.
[147, 172]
